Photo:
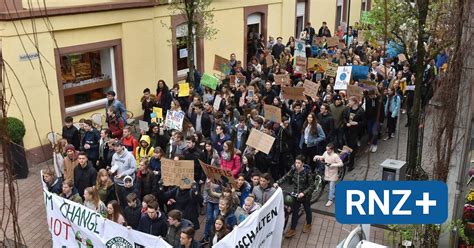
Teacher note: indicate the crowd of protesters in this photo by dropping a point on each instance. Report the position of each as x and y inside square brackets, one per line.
[116, 171]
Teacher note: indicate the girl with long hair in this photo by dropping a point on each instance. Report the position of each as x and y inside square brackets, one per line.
[92, 201]
[311, 138]
[114, 213]
[105, 187]
[219, 230]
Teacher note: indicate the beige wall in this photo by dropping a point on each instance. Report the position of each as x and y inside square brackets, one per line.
[65, 3]
[323, 10]
[356, 6]
[288, 19]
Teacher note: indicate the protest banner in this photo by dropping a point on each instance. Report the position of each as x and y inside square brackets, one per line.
[221, 64]
[353, 90]
[293, 93]
[310, 88]
[318, 65]
[300, 48]
[217, 102]
[343, 77]
[143, 125]
[331, 70]
[260, 141]
[209, 81]
[332, 41]
[174, 120]
[360, 72]
[263, 228]
[236, 79]
[272, 113]
[281, 79]
[402, 58]
[300, 64]
[74, 225]
[218, 175]
[183, 89]
[177, 172]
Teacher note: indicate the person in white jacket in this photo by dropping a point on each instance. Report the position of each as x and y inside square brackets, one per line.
[333, 162]
[123, 164]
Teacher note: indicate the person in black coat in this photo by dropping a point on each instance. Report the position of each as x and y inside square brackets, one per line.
[156, 139]
[298, 117]
[163, 96]
[70, 132]
[354, 120]
[84, 174]
[187, 201]
[326, 121]
[91, 141]
[132, 213]
[205, 121]
[193, 153]
[154, 221]
[278, 48]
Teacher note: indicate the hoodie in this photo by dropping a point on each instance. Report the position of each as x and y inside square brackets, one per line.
[142, 152]
[173, 235]
[124, 165]
[156, 227]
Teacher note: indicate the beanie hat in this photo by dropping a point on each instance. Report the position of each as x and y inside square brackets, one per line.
[70, 147]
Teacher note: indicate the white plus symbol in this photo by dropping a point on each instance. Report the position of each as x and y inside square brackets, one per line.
[426, 203]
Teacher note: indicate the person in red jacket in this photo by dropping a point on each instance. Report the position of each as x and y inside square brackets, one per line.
[229, 159]
[115, 123]
[128, 140]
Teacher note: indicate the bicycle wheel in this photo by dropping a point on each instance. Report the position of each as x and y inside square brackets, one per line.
[318, 191]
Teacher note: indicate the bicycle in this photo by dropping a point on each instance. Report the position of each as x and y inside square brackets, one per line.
[288, 199]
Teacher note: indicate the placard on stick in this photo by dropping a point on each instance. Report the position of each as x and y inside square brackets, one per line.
[331, 70]
[318, 65]
[260, 141]
[282, 79]
[236, 79]
[333, 41]
[177, 172]
[272, 113]
[143, 125]
[353, 90]
[310, 88]
[293, 93]
[221, 64]
[217, 175]
[300, 65]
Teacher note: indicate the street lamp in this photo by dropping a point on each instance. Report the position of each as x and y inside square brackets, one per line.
[347, 28]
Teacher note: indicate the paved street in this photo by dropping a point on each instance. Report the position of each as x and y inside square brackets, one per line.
[326, 232]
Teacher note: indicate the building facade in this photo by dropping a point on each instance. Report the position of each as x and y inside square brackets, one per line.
[60, 60]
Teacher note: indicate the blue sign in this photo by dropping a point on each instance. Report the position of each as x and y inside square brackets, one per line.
[360, 72]
[397, 202]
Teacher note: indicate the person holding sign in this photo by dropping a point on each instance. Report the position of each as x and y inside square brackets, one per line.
[187, 201]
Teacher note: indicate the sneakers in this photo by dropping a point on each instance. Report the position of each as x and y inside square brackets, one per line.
[373, 148]
[307, 228]
[392, 135]
[204, 240]
[404, 111]
[388, 137]
[358, 143]
[329, 203]
[290, 233]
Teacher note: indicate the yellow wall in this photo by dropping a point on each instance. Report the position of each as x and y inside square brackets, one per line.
[65, 3]
[356, 6]
[323, 10]
[288, 19]
[274, 27]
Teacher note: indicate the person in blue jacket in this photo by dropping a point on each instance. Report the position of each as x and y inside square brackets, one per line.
[311, 138]
[392, 109]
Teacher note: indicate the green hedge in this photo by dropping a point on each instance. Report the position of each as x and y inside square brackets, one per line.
[16, 129]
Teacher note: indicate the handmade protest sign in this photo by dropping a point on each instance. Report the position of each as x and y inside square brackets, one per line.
[157, 115]
[333, 41]
[250, 91]
[143, 125]
[218, 175]
[260, 141]
[209, 81]
[410, 87]
[236, 79]
[353, 90]
[318, 65]
[331, 70]
[293, 93]
[318, 41]
[361, 36]
[360, 72]
[310, 88]
[281, 79]
[343, 77]
[217, 102]
[300, 48]
[272, 113]
[174, 120]
[221, 64]
[300, 64]
[269, 59]
[183, 89]
[402, 58]
[177, 173]
[368, 82]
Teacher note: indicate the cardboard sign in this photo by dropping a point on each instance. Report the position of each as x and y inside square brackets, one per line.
[361, 36]
[272, 113]
[217, 102]
[343, 77]
[293, 93]
[177, 173]
[331, 70]
[353, 90]
[260, 141]
[250, 91]
[402, 58]
[300, 64]
[221, 64]
[282, 79]
[318, 41]
[209, 81]
[143, 125]
[318, 65]
[236, 79]
[174, 120]
[368, 82]
[310, 88]
[333, 41]
[218, 175]
[269, 59]
[183, 89]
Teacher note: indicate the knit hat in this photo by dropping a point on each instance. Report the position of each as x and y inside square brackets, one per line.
[70, 147]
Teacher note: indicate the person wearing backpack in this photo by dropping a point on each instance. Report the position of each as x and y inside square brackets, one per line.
[144, 149]
[303, 185]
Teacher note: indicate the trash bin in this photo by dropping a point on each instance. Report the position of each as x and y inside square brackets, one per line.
[393, 170]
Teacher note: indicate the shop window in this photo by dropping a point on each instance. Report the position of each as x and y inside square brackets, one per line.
[86, 77]
[182, 50]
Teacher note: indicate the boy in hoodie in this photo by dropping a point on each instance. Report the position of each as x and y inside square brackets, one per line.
[154, 221]
[144, 150]
[128, 140]
[176, 225]
[128, 188]
[70, 162]
[132, 211]
[123, 165]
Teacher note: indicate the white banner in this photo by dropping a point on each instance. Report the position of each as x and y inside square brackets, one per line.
[74, 225]
[343, 77]
[263, 228]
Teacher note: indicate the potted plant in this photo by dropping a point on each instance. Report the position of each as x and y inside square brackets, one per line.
[16, 131]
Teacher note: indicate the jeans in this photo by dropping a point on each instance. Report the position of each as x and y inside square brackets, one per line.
[307, 209]
[212, 210]
[332, 191]
[372, 131]
[339, 138]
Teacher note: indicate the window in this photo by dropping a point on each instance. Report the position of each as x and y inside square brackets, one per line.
[182, 50]
[254, 29]
[300, 18]
[86, 77]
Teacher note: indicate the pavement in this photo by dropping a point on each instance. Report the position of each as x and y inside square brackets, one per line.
[326, 231]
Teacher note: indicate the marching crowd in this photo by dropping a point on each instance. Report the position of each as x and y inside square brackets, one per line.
[116, 171]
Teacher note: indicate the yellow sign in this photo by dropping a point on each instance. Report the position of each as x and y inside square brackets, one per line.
[183, 89]
[159, 112]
